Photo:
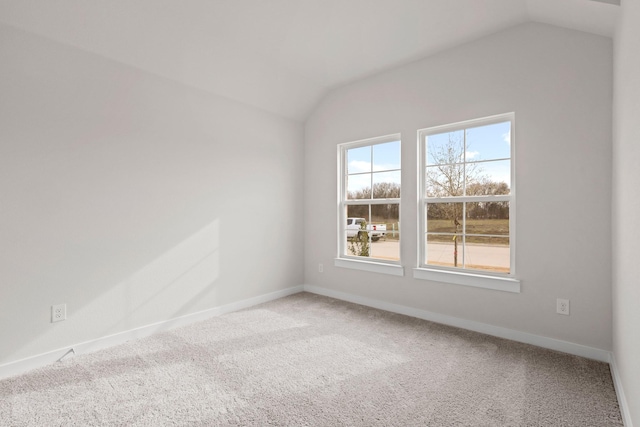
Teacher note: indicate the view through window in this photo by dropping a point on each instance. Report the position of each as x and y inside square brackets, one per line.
[467, 195]
[370, 199]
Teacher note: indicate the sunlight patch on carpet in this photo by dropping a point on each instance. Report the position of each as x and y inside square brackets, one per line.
[310, 363]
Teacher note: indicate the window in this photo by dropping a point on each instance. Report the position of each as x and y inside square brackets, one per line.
[467, 200]
[369, 204]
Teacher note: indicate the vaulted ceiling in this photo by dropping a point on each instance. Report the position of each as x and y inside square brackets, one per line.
[284, 55]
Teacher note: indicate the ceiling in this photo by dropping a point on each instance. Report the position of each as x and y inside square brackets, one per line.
[284, 55]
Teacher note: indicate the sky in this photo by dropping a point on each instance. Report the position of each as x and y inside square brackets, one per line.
[488, 142]
[382, 159]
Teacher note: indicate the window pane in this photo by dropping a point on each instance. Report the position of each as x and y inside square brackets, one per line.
[444, 250]
[386, 185]
[489, 142]
[378, 238]
[359, 160]
[474, 176]
[445, 180]
[385, 232]
[358, 211]
[386, 156]
[359, 186]
[444, 217]
[385, 212]
[445, 148]
[356, 238]
[487, 218]
[490, 254]
[489, 178]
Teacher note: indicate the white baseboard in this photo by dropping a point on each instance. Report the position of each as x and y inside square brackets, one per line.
[497, 331]
[622, 399]
[24, 365]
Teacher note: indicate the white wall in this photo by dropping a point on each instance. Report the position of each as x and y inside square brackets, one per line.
[559, 84]
[133, 199]
[626, 205]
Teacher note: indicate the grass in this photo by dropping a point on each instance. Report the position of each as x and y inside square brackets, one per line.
[498, 227]
[473, 226]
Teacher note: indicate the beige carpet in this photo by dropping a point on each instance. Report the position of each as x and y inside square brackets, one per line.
[308, 360]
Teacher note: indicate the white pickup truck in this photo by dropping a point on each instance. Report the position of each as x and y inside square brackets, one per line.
[376, 231]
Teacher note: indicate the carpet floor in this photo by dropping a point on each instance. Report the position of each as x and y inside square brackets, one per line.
[308, 360]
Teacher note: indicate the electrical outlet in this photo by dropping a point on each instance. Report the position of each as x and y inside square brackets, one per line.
[562, 306]
[320, 268]
[58, 313]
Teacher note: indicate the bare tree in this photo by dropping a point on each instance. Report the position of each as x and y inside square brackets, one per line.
[448, 175]
[381, 190]
[488, 210]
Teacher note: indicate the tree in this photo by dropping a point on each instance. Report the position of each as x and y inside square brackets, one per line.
[446, 174]
[381, 190]
[449, 175]
[488, 210]
[359, 245]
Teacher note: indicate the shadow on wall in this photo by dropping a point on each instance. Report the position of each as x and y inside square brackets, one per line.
[171, 284]
[166, 288]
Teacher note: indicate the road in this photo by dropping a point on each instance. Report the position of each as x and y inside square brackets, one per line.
[476, 255]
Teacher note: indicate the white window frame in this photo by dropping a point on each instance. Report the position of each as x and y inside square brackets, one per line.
[467, 277]
[376, 265]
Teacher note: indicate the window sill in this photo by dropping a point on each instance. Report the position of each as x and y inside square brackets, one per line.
[506, 284]
[375, 267]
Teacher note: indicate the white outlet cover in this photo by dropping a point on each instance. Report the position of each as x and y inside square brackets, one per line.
[58, 313]
[562, 306]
